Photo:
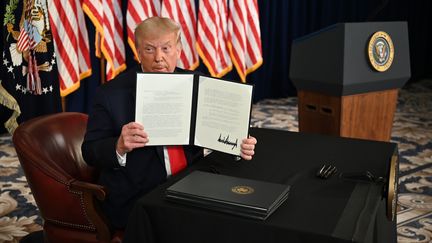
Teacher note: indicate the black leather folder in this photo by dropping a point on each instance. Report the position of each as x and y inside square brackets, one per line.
[239, 196]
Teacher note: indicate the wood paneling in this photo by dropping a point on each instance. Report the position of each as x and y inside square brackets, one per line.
[367, 116]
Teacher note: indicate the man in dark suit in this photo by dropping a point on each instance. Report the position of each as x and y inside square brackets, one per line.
[116, 144]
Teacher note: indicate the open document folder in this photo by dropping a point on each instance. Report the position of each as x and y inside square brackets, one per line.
[187, 108]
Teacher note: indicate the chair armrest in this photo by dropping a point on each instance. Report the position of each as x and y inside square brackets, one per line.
[97, 190]
[89, 192]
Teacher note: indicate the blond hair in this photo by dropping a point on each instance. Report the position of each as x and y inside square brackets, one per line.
[155, 26]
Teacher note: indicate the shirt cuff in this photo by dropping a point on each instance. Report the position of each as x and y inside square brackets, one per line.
[207, 151]
[121, 159]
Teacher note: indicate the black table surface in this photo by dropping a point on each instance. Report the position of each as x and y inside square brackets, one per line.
[317, 210]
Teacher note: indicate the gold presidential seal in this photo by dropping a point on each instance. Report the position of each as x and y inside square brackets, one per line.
[242, 189]
[380, 51]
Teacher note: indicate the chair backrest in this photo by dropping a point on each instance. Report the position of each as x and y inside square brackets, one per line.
[49, 150]
[57, 138]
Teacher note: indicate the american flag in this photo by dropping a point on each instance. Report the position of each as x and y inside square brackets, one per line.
[244, 36]
[183, 12]
[23, 39]
[107, 17]
[137, 11]
[26, 39]
[70, 42]
[212, 36]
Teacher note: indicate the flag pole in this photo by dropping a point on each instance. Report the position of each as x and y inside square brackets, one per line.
[102, 68]
[63, 103]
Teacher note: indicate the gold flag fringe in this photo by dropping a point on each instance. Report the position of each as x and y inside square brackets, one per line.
[10, 102]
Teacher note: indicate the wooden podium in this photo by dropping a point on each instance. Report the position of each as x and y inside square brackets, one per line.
[347, 78]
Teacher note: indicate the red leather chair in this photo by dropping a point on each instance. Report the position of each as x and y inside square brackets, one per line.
[63, 185]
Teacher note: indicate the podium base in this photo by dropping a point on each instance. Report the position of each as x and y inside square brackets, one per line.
[367, 116]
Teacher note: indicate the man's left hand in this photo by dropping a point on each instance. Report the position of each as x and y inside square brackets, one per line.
[248, 148]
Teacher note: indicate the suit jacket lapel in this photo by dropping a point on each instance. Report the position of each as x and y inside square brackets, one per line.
[160, 153]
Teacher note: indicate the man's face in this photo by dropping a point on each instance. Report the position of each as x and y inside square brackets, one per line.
[159, 53]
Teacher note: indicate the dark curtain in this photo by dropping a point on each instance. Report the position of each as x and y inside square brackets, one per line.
[417, 14]
[284, 20]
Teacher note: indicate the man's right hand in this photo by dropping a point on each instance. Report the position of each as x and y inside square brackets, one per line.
[132, 136]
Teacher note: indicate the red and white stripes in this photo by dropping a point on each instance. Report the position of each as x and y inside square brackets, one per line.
[244, 36]
[137, 11]
[107, 17]
[23, 43]
[222, 35]
[183, 12]
[112, 44]
[212, 36]
[70, 43]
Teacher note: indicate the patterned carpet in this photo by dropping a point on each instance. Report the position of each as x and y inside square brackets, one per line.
[412, 131]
